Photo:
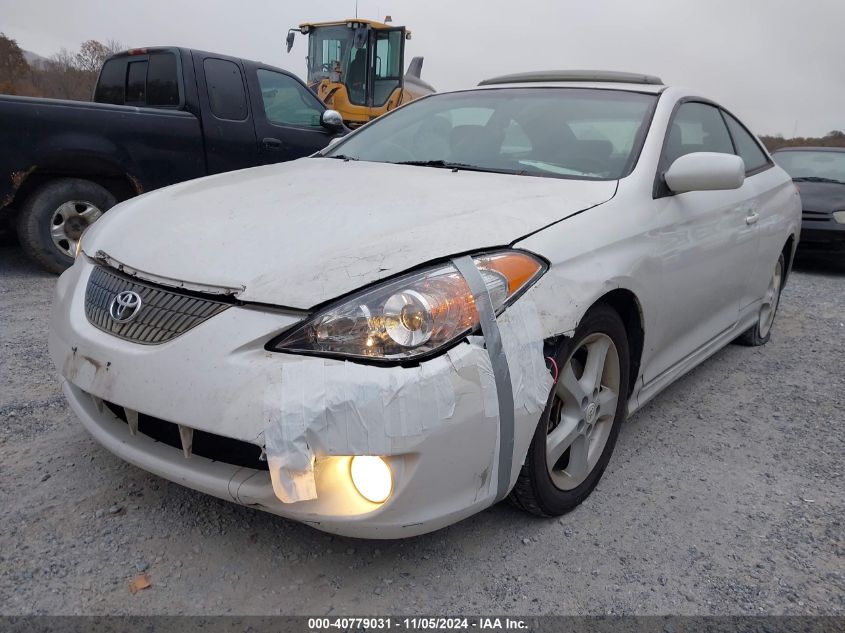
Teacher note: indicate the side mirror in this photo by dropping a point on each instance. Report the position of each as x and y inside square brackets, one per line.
[332, 120]
[290, 38]
[705, 171]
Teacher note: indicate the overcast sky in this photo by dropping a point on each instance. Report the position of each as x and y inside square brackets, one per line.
[778, 64]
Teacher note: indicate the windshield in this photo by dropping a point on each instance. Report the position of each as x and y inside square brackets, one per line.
[339, 54]
[829, 166]
[552, 132]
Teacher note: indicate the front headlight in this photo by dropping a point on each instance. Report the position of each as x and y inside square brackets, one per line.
[839, 216]
[411, 316]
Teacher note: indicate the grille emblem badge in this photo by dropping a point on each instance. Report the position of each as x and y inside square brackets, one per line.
[125, 306]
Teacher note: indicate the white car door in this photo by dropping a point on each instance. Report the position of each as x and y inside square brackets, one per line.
[706, 245]
[775, 203]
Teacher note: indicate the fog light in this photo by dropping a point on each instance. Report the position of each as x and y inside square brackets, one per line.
[372, 478]
[839, 216]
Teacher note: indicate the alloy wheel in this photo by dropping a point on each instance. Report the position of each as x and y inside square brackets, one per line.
[584, 407]
[68, 223]
[770, 301]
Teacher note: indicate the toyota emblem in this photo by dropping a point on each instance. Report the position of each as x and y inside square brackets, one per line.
[125, 306]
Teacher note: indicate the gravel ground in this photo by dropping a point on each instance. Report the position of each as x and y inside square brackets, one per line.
[724, 496]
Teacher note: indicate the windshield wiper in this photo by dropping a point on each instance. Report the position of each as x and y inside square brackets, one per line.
[342, 157]
[445, 164]
[818, 179]
[434, 163]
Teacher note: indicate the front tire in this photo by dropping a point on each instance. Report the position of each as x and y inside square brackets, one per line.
[761, 332]
[52, 219]
[577, 432]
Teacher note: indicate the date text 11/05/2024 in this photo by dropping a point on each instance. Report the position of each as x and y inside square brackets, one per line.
[418, 623]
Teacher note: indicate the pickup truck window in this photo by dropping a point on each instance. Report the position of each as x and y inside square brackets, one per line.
[112, 83]
[136, 83]
[162, 80]
[140, 81]
[225, 89]
[286, 101]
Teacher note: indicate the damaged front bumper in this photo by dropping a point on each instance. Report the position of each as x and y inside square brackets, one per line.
[435, 425]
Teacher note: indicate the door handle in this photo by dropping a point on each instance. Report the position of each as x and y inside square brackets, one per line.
[272, 143]
[752, 217]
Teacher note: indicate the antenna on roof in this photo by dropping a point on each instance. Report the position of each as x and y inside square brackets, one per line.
[356, 9]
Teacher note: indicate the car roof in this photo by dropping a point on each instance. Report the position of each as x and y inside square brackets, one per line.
[606, 79]
[809, 148]
[601, 76]
[587, 85]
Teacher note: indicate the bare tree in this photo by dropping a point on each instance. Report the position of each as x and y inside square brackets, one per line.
[91, 56]
[115, 46]
[70, 75]
[63, 60]
[66, 75]
[13, 66]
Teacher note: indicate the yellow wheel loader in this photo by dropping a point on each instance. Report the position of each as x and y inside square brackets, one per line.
[355, 67]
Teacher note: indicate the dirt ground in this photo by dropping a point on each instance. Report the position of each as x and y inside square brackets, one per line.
[724, 496]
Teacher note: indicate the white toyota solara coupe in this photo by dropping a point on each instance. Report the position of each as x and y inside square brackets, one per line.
[457, 303]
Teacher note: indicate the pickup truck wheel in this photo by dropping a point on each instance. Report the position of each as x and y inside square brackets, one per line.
[576, 435]
[52, 219]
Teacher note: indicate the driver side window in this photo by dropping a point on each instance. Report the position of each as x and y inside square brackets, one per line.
[286, 101]
[695, 127]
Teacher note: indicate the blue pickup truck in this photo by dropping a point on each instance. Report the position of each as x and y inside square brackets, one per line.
[159, 116]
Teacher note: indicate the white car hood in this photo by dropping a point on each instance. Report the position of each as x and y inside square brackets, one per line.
[300, 233]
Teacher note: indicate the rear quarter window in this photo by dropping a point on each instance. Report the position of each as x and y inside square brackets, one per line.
[746, 146]
[226, 92]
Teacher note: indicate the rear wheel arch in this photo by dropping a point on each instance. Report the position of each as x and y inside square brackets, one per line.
[760, 332]
[788, 251]
[92, 179]
[120, 184]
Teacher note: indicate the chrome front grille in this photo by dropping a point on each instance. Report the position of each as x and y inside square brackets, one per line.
[164, 314]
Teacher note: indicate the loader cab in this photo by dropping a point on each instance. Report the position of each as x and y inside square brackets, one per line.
[355, 66]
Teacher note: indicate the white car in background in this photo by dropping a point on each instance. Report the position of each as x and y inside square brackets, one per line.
[457, 303]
